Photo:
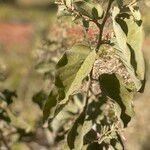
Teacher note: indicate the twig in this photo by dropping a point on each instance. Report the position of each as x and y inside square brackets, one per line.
[101, 26]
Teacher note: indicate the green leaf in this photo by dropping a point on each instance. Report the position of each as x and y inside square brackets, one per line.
[85, 24]
[136, 13]
[113, 87]
[95, 146]
[72, 68]
[50, 105]
[62, 11]
[81, 132]
[120, 3]
[69, 112]
[4, 116]
[68, 3]
[117, 142]
[39, 98]
[7, 96]
[135, 40]
[76, 135]
[89, 9]
[129, 37]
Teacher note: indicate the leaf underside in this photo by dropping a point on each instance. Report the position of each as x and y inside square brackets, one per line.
[128, 45]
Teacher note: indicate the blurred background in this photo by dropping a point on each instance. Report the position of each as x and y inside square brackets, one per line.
[29, 35]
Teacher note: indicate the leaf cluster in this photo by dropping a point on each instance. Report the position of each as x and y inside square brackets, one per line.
[80, 118]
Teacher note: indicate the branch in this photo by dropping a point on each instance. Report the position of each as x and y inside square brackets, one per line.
[101, 27]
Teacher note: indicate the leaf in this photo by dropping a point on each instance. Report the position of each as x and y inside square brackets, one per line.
[117, 143]
[72, 68]
[7, 96]
[136, 13]
[62, 11]
[85, 24]
[68, 3]
[113, 87]
[4, 116]
[50, 105]
[129, 35]
[76, 135]
[82, 130]
[135, 40]
[39, 98]
[68, 113]
[95, 146]
[120, 3]
[89, 9]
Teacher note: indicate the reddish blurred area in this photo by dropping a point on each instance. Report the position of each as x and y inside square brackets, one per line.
[78, 32]
[16, 34]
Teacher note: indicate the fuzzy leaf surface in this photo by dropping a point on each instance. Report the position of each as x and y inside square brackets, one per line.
[89, 9]
[113, 87]
[50, 104]
[76, 135]
[72, 68]
[129, 38]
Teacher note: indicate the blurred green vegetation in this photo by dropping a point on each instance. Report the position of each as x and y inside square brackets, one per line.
[31, 19]
[25, 14]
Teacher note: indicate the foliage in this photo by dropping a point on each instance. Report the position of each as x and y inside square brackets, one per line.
[79, 118]
[15, 132]
[6, 97]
